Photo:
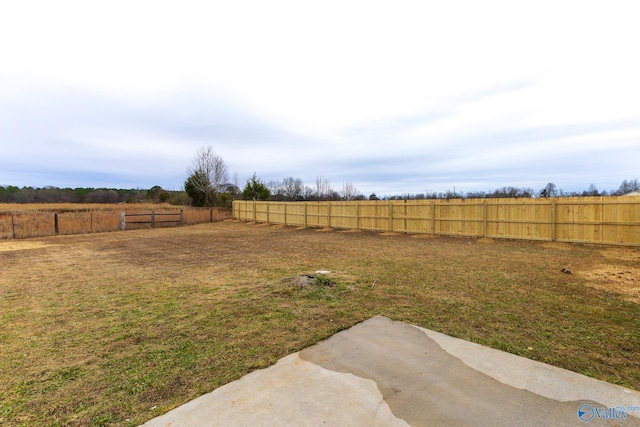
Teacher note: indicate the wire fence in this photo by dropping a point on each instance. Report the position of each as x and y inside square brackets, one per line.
[20, 225]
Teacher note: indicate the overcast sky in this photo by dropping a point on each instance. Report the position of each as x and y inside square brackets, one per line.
[395, 97]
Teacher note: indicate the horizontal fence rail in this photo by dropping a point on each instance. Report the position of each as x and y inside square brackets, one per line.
[152, 218]
[605, 220]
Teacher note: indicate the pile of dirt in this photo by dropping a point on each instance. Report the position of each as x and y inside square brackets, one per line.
[305, 280]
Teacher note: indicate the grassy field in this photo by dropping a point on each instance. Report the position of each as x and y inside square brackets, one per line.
[46, 207]
[40, 220]
[117, 328]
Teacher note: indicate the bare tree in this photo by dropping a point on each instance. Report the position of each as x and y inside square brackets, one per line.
[349, 191]
[236, 180]
[549, 190]
[207, 174]
[592, 191]
[628, 186]
[292, 188]
[274, 188]
[26, 195]
[307, 192]
[323, 188]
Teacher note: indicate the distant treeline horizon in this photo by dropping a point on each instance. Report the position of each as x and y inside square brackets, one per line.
[50, 194]
[156, 194]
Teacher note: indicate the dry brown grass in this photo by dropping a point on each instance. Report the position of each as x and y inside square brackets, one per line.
[37, 220]
[18, 245]
[116, 328]
[56, 207]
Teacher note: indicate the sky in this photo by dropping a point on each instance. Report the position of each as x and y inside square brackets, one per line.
[394, 97]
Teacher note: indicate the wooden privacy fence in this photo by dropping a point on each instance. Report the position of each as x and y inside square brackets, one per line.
[19, 225]
[607, 220]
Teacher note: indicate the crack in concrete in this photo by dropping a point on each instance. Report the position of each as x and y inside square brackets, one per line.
[425, 385]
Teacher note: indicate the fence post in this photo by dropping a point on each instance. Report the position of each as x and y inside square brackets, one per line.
[357, 216]
[404, 214]
[433, 216]
[268, 214]
[424, 207]
[553, 220]
[153, 219]
[390, 215]
[329, 214]
[182, 216]
[285, 213]
[484, 218]
[305, 214]
[13, 227]
[254, 211]
[55, 223]
[123, 221]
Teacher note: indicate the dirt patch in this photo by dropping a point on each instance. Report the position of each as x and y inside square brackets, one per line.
[558, 246]
[424, 236]
[622, 254]
[620, 279]
[487, 240]
[20, 245]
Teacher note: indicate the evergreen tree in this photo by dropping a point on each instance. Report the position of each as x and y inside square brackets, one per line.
[255, 190]
[193, 188]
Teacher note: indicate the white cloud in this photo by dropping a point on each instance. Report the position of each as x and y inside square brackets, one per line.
[407, 95]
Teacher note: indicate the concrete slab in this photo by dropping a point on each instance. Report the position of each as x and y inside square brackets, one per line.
[386, 373]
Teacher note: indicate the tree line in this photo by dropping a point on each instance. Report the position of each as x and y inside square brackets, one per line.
[50, 194]
[208, 183]
[549, 190]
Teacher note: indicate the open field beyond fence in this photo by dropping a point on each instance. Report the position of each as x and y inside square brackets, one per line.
[608, 220]
[19, 221]
[117, 328]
